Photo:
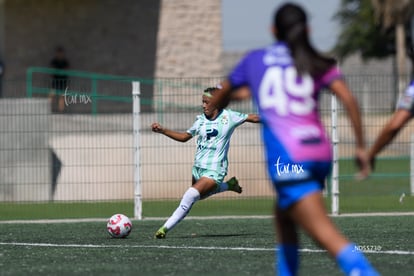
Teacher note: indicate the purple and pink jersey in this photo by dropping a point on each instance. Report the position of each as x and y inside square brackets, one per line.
[287, 104]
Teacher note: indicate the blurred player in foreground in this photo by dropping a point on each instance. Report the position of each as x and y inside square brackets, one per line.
[214, 129]
[284, 80]
[403, 114]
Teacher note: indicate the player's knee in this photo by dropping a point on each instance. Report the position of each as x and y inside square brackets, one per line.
[190, 196]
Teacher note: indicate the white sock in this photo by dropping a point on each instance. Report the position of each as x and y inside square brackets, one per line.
[189, 198]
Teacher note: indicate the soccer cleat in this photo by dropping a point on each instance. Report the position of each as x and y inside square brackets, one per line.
[234, 185]
[160, 234]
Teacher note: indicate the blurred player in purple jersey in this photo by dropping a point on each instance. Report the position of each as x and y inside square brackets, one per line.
[284, 81]
[403, 114]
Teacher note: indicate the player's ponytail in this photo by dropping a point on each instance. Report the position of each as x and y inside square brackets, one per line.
[290, 22]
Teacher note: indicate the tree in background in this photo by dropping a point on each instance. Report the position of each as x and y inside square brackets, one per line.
[360, 33]
[377, 29]
[395, 14]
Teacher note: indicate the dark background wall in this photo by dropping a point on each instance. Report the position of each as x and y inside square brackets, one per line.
[103, 36]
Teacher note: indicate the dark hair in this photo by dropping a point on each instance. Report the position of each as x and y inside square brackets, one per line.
[210, 89]
[224, 101]
[290, 21]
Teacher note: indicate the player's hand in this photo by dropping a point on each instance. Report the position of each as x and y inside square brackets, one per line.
[363, 163]
[156, 127]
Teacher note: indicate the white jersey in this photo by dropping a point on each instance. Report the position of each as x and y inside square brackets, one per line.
[407, 100]
[214, 139]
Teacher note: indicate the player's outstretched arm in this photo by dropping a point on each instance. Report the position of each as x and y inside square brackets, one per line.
[390, 130]
[175, 135]
[227, 94]
[240, 94]
[253, 118]
[341, 90]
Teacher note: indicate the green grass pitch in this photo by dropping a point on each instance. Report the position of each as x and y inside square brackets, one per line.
[195, 247]
[236, 246]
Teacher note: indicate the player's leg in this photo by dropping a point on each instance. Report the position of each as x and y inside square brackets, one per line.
[201, 187]
[230, 185]
[61, 103]
[205, 186]
[287, 256]
[309, 212]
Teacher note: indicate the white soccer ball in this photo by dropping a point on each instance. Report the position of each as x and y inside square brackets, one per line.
[119, 226]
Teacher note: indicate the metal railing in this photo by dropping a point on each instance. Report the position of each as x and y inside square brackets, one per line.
[80, 86]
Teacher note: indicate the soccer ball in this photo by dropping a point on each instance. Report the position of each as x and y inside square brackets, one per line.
[119, 226]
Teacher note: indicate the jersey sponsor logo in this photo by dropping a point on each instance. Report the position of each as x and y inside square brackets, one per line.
[306, 132]
[277, 55]
[202, 147]
[308, 135]
[270, 59]
[212, 132]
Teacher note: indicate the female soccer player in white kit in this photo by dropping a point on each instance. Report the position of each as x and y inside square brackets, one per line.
[284, 80]
[214, 129]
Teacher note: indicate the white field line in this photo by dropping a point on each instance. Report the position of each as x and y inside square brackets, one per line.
[210, 248]
[384, 214]
[379, 214]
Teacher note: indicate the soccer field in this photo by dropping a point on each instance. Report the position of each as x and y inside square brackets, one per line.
[224, 246]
